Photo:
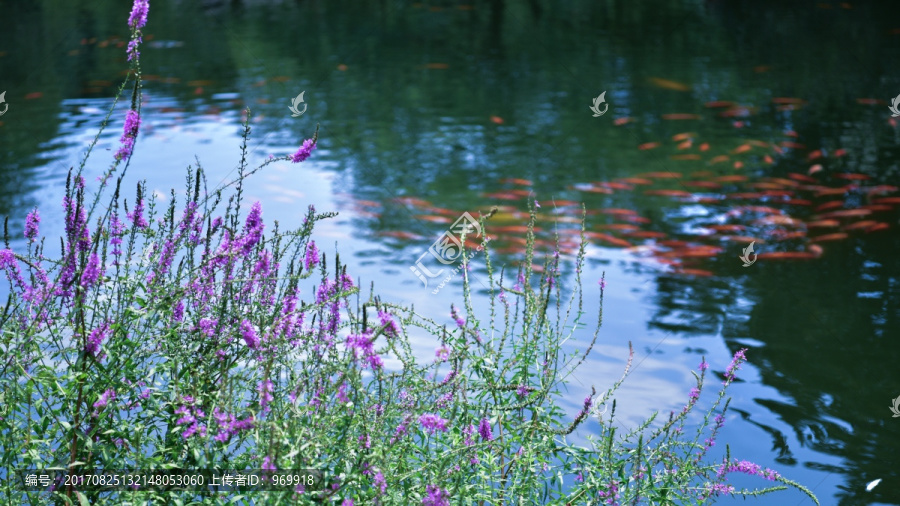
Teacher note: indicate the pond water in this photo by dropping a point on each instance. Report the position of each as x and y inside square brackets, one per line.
[727, 123]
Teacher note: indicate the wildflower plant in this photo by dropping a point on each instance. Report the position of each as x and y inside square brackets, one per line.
[196, 336]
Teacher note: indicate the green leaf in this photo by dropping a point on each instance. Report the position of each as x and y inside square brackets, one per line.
[82, 499]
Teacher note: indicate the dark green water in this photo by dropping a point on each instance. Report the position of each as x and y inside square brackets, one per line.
[405, 94]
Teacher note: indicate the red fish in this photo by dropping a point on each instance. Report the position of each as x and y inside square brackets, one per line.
[704, 146]
[730, 179]
[837, 236]
[834, 204]
[802, 177]
[719, 103]
[785, 100]
[726, 228]
[617, 186]
[515, 180]
[787, 255]
[743, 148]
[886, 200]
[814, 155]
[798, 202]
[685, 145]
[852, 177]
[648, 145]
[622, 121]
[738, 112]
[792, 145]
[619, 226]
[661, 175]
[859, 225]
[683, 136]
[616, 211]
[839, 153]
[878, 226]
[669, 85]
[847, 213]
[497, 119]
[646, 234]
[668, 193]
[823, 224]
[615, 241]
[687, 157]
[719, 159]
[703, 184]
[694, 272]
[635, 180]
[679, 116]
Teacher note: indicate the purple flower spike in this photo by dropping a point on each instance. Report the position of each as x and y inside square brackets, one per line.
[249, 334]
[304, 152]
[31, 224]
[739, 358]
[435, 496]
[433, 423]
[484, 429]
[129, 134]
[138, 17]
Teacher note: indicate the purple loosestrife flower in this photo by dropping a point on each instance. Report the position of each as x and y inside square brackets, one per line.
[347, 502]
[703, 365]
[304, 152]
[249, 334]
[104, 399]
[265, 393]
[116, 231]
[132, 50]
[467, 435]
[390, 327]
[10, 264]
[380, 483]
[32, 222]
[342, 393]
[484, 429]
[129, 134]
[268, 464]
[435, 496]
[137, 215]
[739, 358]
[178, 311]
[138, 17]
[95, 339]
[253, 228]
[442, 354]
[715, 489]
[312, 256]
[91, 272]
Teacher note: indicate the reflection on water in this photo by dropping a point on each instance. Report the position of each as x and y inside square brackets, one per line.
[728, 123]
